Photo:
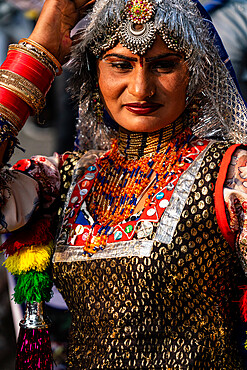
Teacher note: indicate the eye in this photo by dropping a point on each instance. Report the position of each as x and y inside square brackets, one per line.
[164, 66]
[121, 65]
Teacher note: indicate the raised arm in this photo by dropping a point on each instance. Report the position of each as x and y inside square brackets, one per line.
[31, 65]
[57, 19]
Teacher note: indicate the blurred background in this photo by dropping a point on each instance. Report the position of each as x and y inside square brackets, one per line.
[54, 130]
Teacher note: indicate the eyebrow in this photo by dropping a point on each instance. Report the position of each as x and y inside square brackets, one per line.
[161, 56]
[120, 56]
[132, 59]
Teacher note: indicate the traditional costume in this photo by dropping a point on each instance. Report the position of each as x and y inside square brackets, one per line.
[158, 288]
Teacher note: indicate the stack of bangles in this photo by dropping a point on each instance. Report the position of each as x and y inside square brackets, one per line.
[25, 78]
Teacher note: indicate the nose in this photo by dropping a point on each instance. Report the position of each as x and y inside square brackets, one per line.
[141, 84]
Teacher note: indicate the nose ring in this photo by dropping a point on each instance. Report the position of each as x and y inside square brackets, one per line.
[151, 94]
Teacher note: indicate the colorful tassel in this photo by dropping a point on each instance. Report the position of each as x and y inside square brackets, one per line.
[243, 302]
[29, 252]
[29, 258]
[243, 308]
[34, 345]
[33, 286]
[32, 234]
[34, 350]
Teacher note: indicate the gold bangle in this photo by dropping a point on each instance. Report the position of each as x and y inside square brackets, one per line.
[45, 51]
[43, 60]
[25, 96]
[15, 122]
[23, 88]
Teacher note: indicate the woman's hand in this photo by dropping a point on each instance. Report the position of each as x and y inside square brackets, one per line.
[55, 22]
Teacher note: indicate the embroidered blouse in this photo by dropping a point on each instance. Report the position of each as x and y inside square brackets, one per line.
[35, 184]
[165, 218]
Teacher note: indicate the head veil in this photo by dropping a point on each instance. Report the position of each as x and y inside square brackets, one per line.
[221, 113]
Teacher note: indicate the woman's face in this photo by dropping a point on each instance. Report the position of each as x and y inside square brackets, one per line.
[143, 94]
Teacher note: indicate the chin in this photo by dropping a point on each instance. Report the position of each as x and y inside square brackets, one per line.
[144, 126]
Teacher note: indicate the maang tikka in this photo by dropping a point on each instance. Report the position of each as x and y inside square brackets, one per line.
[136, 30]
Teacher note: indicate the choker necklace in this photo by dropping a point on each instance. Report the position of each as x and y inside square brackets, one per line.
[121, 182]
[134, 145]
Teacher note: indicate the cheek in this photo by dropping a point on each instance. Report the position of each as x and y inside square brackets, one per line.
[178, 86]
[109, 93]
[177, 83]
[107, 83]
[108, 88]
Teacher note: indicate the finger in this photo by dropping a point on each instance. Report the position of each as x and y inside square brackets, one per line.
[81, 3]
[83, 6]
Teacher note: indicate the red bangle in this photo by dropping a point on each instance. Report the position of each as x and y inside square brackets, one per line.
[29, 68]
[15, 104]
[43, 50]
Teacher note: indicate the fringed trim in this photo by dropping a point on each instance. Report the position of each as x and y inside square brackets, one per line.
[34, 350]
[30, 258]
[32, 234]
[29, 252]
[243, 304]
[33, 286]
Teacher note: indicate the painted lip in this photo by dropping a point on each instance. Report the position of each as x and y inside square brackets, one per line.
[142, 108]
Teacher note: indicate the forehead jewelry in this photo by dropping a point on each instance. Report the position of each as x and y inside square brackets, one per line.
[137, 31]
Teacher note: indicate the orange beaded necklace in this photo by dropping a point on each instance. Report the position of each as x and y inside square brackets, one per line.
[122, 181]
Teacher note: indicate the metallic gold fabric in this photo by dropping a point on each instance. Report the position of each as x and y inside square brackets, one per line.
[175, 309]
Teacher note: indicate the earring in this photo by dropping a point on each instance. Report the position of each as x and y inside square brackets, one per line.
[97, 105]
[194, 110]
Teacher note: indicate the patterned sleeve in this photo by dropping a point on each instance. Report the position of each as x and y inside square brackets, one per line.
[235, 197]
[32, 184]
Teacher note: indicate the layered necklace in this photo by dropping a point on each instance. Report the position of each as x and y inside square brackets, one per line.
[137, 164]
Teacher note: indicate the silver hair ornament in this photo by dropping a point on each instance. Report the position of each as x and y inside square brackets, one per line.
[222, 112]
[136, 40]
[136, 30]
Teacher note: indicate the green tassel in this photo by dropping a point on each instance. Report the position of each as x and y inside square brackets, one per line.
[33, 286]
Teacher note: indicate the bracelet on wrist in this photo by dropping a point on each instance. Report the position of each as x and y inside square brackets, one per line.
[12, 118]
[13, 108]
[23, 89]
[30, 68]
[25, 78]
[43, 53]
[34, 53]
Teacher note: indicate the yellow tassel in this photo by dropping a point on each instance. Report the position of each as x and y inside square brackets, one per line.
[245, 344]
[36, 257]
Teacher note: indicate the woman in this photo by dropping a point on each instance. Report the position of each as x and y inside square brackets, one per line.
[151, 231]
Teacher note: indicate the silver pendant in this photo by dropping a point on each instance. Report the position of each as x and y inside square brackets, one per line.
[136, 37]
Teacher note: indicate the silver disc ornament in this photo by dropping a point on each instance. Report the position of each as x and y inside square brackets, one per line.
[136, 37]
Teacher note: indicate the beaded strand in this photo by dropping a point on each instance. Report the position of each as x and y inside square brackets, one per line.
[121, 182]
